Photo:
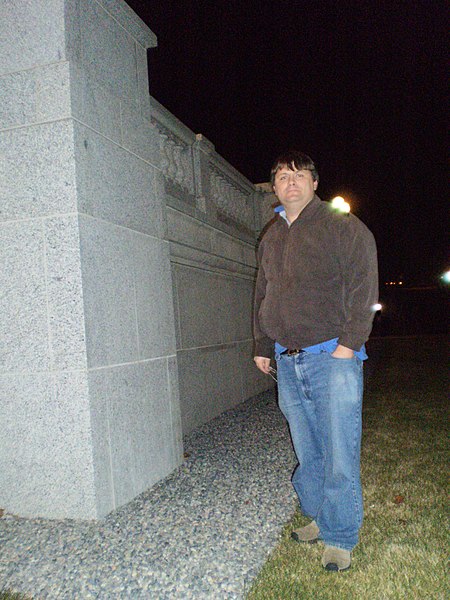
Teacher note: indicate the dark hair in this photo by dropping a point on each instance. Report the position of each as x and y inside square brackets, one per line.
[294, 160]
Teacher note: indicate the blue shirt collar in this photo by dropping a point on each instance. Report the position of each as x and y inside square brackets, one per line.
[280, 210]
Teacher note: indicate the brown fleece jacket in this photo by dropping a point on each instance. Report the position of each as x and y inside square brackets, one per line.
[317, 280]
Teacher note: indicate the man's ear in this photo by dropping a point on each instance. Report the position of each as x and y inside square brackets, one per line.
[315, 184]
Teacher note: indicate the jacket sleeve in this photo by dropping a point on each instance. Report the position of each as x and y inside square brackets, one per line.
[360, 275]
[263, 344]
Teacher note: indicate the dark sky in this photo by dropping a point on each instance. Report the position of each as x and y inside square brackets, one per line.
[361, 86]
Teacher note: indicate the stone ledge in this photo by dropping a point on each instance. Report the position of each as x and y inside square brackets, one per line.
[186, 255]
[128, 19]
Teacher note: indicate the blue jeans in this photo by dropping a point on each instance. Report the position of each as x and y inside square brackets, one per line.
[321, 398]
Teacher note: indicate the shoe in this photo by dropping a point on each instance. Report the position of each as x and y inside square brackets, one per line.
[336, 559]
[308, 534]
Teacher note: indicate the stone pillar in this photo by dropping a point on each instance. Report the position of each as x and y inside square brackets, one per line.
[89, 406]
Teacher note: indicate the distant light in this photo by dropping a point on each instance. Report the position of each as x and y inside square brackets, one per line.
[446, 277]
[338, 203]
[376, 307]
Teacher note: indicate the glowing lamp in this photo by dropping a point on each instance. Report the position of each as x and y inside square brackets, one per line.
[339, 204]
[446, 277]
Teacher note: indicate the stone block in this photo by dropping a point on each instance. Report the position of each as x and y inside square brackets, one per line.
[37, 171]
[176, 308]
[234, 311]
[94, 105]
[64, 292]
[53, 92]
[107, 51]
[127, 291]
[23, 300]
[17, 99]
[31, 33]
[185, 230]
[223, 376]
[196, 375]
[211, 308]
[108, 293]
[199, 295]
[227, 390]
[115, 185]
[249, 255]
[139, 136]
[140, 447]
[99, 383]
[154, 302]
[175, 409]
[243, 311]
[143, 83]
[109, 41]
[45, 455]
[234, 249]
[129, 20]
[210, 382]
[226, 245]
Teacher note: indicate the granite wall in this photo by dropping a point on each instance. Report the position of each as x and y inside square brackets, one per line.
[214, 216]
[127, 265]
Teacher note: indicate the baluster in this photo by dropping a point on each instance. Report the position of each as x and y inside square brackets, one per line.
[164, 155]
[178, 170]
[172, 169]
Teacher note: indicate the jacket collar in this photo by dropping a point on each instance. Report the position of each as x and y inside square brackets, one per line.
[307, 213]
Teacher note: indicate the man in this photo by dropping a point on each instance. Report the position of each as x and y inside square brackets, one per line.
[316, 289]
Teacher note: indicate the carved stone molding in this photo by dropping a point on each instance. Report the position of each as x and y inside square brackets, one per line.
[231, 200]
[176, 158]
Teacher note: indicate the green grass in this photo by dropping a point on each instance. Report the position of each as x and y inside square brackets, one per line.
[9, 595]
[403, 549]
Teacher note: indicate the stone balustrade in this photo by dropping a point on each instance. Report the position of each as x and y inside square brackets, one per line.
[197, 175]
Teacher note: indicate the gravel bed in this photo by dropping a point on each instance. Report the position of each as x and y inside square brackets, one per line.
[202, 532]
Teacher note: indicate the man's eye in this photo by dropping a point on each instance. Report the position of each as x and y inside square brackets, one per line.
[299, 174]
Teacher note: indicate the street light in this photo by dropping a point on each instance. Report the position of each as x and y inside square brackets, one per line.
[339, 204]
[445, 277]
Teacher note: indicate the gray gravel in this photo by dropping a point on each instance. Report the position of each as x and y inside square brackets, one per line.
[203, 532]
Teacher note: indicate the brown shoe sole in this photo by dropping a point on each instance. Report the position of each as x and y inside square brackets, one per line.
[334, 567]
[295, 537]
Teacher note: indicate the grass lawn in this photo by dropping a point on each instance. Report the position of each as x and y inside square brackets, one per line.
[403, 549]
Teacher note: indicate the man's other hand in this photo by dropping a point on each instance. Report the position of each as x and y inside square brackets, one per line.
[263, 364]
[343, 352]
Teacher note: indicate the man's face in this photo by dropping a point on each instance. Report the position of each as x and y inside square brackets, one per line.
[294, 187]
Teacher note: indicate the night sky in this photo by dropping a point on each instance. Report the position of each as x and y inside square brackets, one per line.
[360, 86]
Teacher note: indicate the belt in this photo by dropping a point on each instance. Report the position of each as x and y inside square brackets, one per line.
[291, 352]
